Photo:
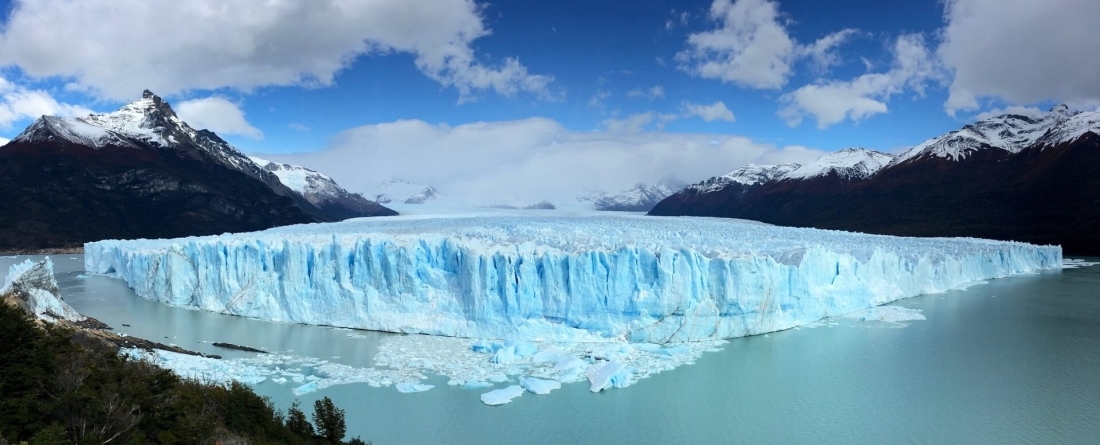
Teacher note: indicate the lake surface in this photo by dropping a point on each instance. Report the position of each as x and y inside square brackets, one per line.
[1016, 360]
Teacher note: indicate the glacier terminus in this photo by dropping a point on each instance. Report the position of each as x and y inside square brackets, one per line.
[576, 278]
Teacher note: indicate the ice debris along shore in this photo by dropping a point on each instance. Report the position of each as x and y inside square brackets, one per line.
[565, 278]
[405, 361]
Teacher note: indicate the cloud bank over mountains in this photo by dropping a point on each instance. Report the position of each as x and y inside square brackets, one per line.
[530, 159]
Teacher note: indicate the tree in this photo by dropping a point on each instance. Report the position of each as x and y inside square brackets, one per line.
[329, 420]
[358, 441]
[296, 421]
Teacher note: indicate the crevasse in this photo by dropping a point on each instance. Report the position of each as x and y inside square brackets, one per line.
[561, 278]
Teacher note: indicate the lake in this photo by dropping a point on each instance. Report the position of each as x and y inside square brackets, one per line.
[1016, 360]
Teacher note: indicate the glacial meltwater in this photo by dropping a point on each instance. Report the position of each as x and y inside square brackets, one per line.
[1015, 360]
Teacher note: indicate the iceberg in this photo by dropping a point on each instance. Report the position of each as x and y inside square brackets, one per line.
[540, 386]
[573, 278]
[502, 396]
[407, 388]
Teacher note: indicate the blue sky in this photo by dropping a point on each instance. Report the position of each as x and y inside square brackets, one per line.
[802, 76]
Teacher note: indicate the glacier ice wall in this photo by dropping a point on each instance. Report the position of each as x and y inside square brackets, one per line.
[562, 278]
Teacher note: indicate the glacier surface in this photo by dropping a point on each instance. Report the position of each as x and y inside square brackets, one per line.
[548, 278]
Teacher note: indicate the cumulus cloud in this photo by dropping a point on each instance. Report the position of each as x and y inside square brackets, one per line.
[831, 102]
[19, 103]
[4, 140]
[1021, 52]
[822, 53]
[217, 114]
[749, 48]
[656, 92]
[532, 158]
[112, 47]
[710, 113]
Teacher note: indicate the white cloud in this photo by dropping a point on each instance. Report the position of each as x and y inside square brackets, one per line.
[1021, 52]
[532, 158]
[638, 122]
[117, 47]
[822, 53]
[710, 113]
[656, 92]
[297, 127]
[597, 99]
[1022, 111]
[749, 48]
[19, 103]
[831, 102]
[217, 114]
[4, 140]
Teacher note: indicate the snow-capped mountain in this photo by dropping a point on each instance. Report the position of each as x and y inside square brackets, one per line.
[138, 172]
[1010, 132]
[641, 198]
[149, 121]
[398, 191]
[1025, 178]
[427, 194]
[849, 163]
[747, 175]
[317, 188]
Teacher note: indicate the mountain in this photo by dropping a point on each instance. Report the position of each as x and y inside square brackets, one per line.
[321, 191]
[1011, 177]
[641, 198]
[397, 191]
[139, 172]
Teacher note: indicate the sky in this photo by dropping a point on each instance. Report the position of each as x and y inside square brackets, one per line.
[533, 98]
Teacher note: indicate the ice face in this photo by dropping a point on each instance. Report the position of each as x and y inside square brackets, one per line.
[540, 278]
[34, 287]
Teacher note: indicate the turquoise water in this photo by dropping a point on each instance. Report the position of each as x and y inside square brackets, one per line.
[1013, 361]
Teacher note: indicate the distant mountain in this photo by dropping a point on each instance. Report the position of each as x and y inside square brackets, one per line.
[321, 191]
[139, 172]
[641, 198]
[397, 191]
[1012, 177]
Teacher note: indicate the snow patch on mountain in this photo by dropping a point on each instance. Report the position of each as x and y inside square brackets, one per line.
[427, 194]
[1072, 128]
[641, 198]
[1008, 132]
[398, 191]
[306, 182]
[750, 174]
[849, 163]
[71, 129]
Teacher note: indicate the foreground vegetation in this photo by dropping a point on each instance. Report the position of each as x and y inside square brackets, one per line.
[54, 390]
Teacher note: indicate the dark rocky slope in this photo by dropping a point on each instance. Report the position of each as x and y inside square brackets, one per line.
[1047, 192]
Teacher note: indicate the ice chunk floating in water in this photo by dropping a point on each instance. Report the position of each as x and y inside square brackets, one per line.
[566, 278]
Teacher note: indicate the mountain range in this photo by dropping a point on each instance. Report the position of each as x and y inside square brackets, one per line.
[1011, 177]
[142, 172]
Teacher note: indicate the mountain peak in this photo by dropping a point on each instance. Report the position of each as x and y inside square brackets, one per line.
[1060, 108]
[849, 163]
[147, 94]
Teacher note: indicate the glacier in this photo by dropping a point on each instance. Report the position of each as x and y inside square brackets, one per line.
[580, 278]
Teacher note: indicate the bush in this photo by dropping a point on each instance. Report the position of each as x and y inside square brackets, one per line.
[91, 396]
